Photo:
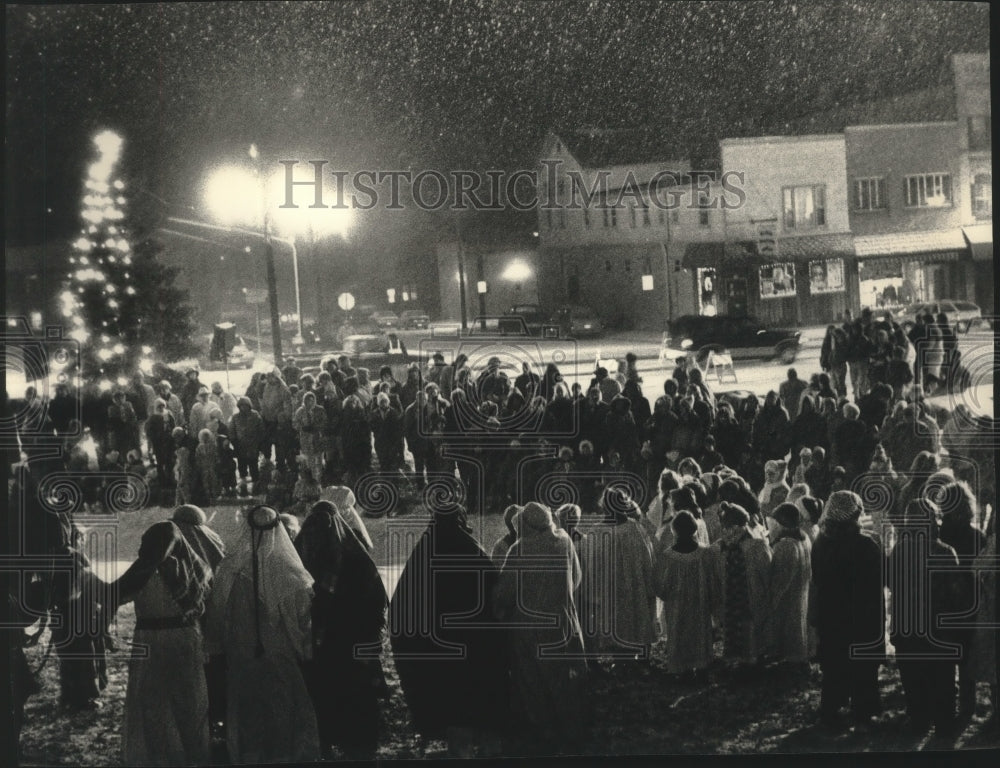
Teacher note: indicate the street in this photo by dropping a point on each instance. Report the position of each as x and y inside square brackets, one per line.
[576, 361]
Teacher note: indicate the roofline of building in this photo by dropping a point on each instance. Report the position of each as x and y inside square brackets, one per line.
[780, 139]
[900, 126]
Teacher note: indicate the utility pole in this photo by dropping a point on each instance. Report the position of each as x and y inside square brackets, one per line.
[461, 276]
[272, 295]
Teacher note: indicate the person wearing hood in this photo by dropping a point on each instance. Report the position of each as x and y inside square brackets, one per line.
[729, 436]
[223, 399]
[259, 616]
[309, 421]
[617, 562]
[775, 489]
[790, 393]
[166, 701]
[246, 433]
[609, 386]
[558, 420]
[546, 651]
[453, 674]
[806, 427]
[528, 382]
[791, 571]
[344, 503]
[686, 579]
[744, 562]
[189, 393]
[412, 385]
[348, 619]
[591, 416]
[848, 611]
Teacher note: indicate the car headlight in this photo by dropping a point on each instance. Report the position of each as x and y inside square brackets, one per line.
[686, 343]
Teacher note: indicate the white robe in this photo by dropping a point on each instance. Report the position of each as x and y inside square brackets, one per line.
[790, 574]
[688, 585]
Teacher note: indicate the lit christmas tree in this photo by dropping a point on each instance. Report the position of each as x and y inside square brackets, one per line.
[100, 300]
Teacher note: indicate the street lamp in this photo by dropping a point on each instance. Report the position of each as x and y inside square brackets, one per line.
[234, 193]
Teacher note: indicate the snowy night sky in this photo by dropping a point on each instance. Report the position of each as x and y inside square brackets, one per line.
[429, 84]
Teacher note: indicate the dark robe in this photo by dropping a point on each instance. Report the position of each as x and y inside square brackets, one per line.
[452, 674]
[348, 616]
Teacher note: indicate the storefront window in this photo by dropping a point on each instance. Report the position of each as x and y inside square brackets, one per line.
[777, 281]
[826, 276]
[708, 292]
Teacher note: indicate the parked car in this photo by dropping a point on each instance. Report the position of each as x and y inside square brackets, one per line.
[372, 351]
[745, 338]
[961, 314]
[577, 322]
[533, 315]
[385, 319]
[414, 319]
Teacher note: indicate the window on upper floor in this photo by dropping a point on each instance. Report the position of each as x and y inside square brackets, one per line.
[979, 132]
[869, 194]
[805, 206]
[982, 196]
[927, 190]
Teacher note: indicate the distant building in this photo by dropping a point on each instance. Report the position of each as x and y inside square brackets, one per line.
[603, 240]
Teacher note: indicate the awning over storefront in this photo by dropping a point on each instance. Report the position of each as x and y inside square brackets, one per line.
[980, 239]
[943, 245]
[816, 247]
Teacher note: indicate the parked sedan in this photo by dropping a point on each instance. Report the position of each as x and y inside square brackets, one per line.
[533, 315]
[577, 322]
[385, 319]
[961, 314]
[414, 318]
[744, 338]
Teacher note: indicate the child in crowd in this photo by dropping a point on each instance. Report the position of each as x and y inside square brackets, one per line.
[207, 463]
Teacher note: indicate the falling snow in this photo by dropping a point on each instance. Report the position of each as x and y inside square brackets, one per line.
[397, 84]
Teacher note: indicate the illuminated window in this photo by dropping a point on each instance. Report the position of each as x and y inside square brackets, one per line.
[805, 207]
[928, 190]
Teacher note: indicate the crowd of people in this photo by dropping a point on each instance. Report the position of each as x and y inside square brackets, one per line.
[778, 528]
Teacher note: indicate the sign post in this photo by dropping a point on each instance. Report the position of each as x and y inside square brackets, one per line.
[256, 296]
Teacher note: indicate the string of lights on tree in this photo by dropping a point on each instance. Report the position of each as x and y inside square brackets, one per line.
[99, 300]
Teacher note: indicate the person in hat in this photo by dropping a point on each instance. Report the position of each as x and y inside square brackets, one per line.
[686, 579]
[225, 400]
[166, 700]
[744, 560]
[548, 670]
[791, 572]
[848, 610]
[505, 542]
[189, 393]
[259, 616]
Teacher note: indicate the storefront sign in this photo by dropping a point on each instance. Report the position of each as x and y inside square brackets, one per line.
[777, 281]
[826, 276]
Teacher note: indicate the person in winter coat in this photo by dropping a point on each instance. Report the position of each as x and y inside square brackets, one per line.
[159, 433]
[744, 562]
[853, 443]
[907, 433]
[790, 393]
[959, 531]
[223, 399]
[246, 433]
[770, 430]
[622, 432]
[207, 462]
[775, 489]
[123, 426]
[591, 415]
[791, 571]
[310, 423]
[806, 427]
[276, 412]
[356, 434]
[387, 427]
[918, 603]
[833, 358]
[848, 611]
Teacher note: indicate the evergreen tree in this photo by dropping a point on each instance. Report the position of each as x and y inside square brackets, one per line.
[120, 302]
